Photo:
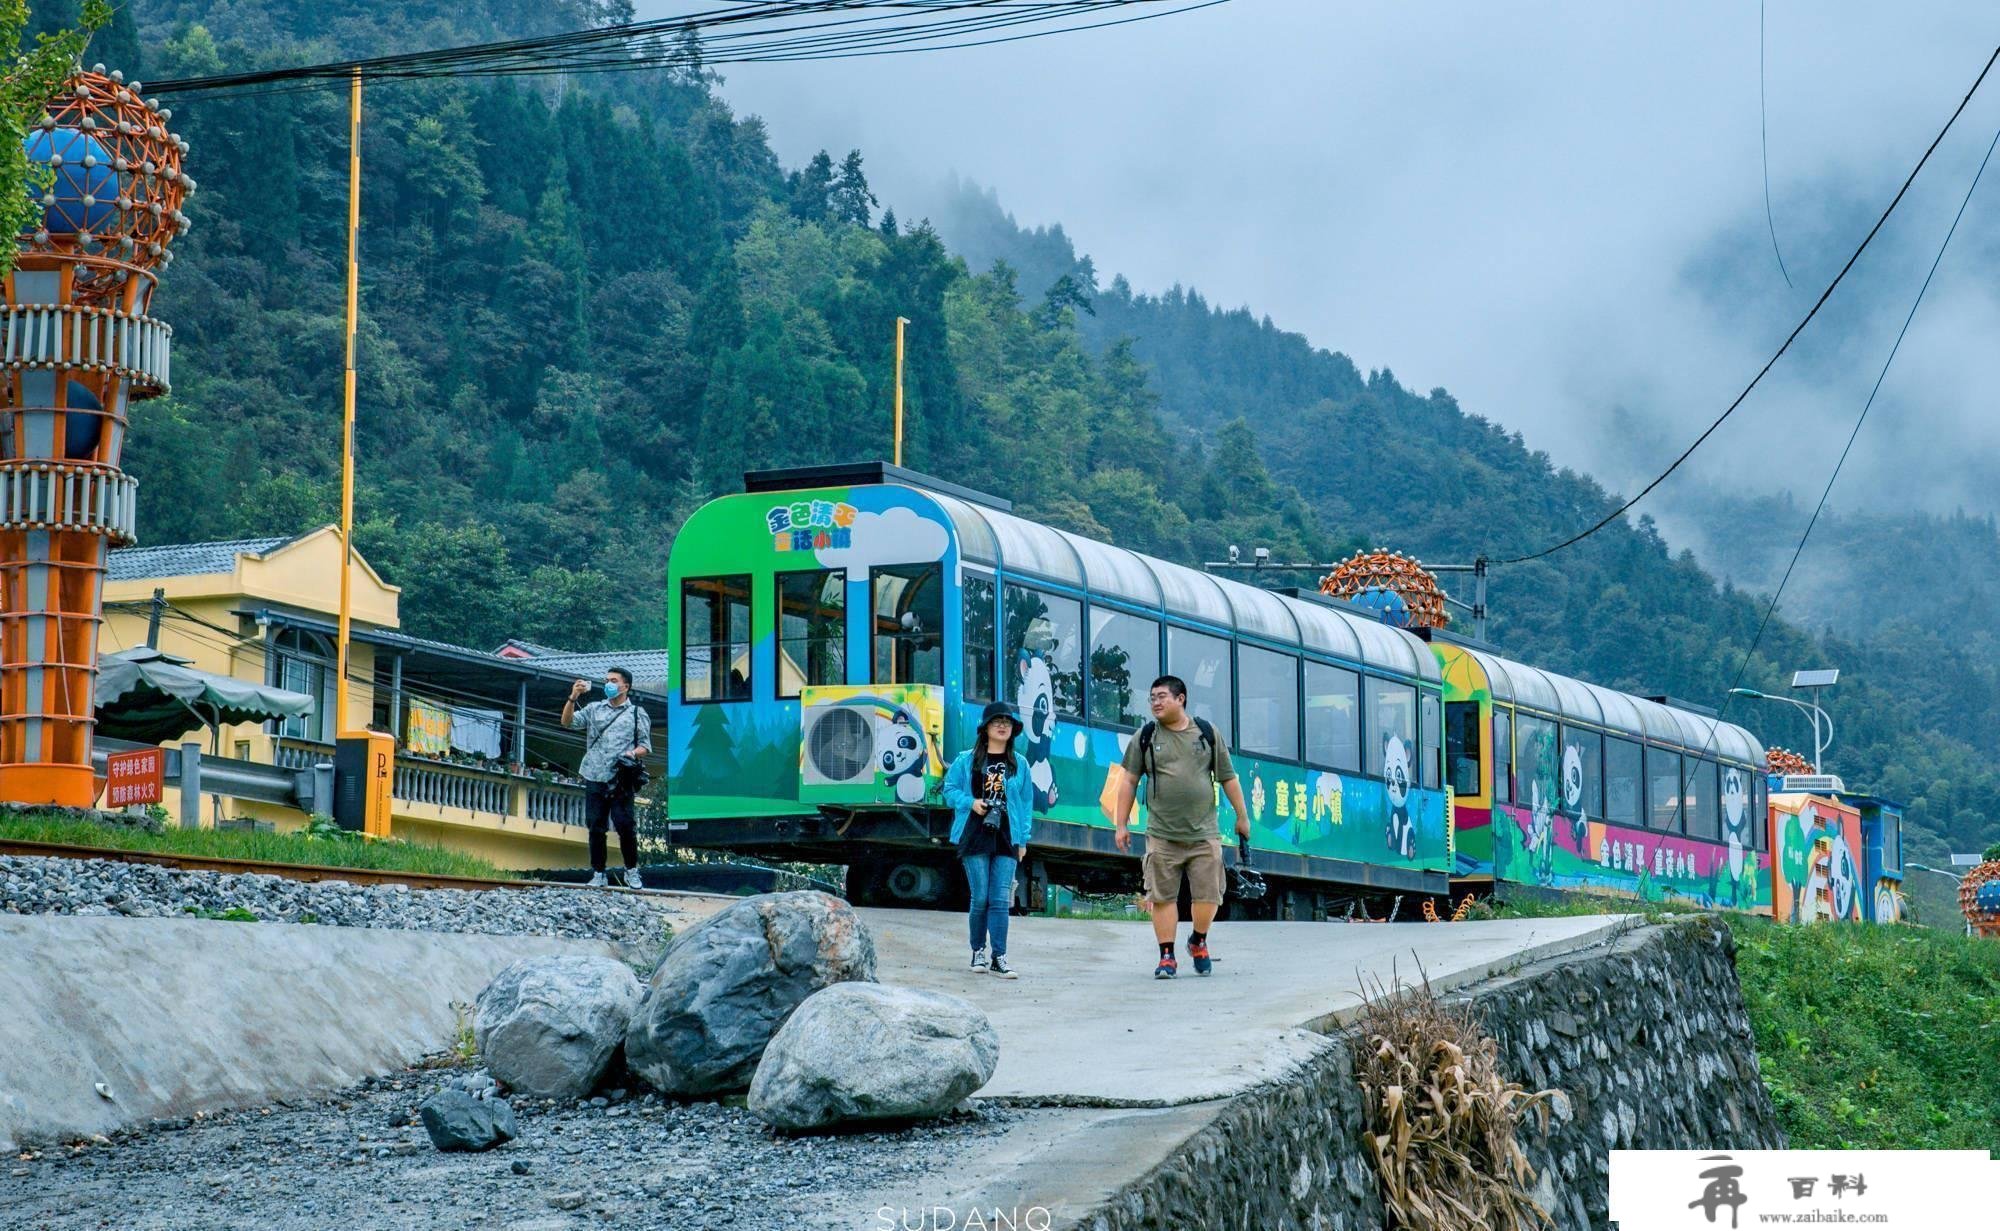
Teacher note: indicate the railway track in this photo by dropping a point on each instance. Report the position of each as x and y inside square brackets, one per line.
[290, 871]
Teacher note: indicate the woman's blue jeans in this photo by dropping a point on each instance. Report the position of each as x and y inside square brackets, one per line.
[990, 878]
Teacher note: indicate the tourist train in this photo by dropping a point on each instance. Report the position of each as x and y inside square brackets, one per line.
[834, 632]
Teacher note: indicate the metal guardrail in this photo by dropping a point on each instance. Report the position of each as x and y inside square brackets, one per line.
[309, 788]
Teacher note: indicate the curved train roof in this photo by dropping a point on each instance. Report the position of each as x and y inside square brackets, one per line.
[1560, 696]
[995, 537]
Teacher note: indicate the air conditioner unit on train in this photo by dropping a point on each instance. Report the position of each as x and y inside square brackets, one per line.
[1811, 784]
[871, 744]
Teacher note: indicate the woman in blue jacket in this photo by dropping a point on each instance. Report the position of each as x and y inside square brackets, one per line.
[992, 802]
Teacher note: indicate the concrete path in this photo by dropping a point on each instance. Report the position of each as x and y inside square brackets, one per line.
[1086, 1024]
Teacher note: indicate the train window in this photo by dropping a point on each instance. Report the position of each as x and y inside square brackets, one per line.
[1537, 762]
[1503, 756]
[1043, 653]
[1663, 790]
[1427, 732]
[1333, 717]
[1124, 662]
[1267, 702]
[909, 623]
[715, 639]
[812, 629]
[1203, 662]
[1892, 841]
[1760, 811]
[1461, 745]
[1704, 817]
[978, 594]
[1392, 716]
[1585, 750]
[1621, 781]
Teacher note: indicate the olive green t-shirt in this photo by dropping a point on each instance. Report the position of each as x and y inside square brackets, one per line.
[1180, 798]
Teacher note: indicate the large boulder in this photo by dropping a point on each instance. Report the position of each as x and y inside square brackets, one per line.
[725, 986]
[548, 1026]
[862, 1051]
[458, 1121]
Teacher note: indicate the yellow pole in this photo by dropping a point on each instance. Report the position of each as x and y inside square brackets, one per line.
[347, 412]
[900, 322]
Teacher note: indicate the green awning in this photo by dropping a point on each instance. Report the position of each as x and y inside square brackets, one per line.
[149, 697]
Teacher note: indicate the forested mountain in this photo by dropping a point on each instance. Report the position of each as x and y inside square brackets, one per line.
[589, 304]
[1919, 699]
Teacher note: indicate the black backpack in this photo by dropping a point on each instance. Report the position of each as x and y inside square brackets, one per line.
[1205, 734]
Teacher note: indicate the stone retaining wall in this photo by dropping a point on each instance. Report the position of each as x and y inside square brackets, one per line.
[1647, 1038]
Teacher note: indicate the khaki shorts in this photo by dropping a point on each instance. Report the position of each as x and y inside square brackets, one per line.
[1200, 862]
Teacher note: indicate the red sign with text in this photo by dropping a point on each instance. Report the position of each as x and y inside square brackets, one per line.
[135, 777]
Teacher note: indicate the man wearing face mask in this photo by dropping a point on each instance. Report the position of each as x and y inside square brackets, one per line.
[614, 727]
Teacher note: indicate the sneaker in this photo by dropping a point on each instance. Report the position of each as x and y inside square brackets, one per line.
[633, 880]
[1001, 969]
[1167, 968]
[979, 962]
[596, 881]
[1198, 950]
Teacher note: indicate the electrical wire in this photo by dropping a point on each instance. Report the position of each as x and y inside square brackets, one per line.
[1770, 609]
[831, 29]
[1622, 509]
[1764, 143]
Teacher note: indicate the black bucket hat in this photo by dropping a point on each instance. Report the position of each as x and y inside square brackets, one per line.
[999, 709]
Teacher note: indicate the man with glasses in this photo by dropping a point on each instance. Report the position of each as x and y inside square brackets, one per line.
[1184, 760]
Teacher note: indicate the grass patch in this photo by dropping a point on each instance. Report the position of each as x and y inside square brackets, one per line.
[1518, 904]
[1879, 1038]
[313, 846]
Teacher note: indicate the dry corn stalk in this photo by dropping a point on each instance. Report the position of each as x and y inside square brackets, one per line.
[1441, 1122]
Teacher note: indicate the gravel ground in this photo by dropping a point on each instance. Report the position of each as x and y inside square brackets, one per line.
[38, 886]
[361, 1161]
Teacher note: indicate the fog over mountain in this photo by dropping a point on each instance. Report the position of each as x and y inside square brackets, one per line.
[1554, 211]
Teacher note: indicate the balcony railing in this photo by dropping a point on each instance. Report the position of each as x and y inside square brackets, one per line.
[434, 784]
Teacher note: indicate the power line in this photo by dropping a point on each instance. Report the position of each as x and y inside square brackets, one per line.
[1764, 142]
[1771, 608]
[1620, 511]
[736, 35]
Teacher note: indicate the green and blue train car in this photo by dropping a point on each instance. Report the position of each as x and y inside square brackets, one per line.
[834, 633]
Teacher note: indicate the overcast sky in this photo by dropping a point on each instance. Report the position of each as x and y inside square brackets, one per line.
[1555, 211]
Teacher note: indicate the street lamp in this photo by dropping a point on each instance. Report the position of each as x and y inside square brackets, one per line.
[1814, 680]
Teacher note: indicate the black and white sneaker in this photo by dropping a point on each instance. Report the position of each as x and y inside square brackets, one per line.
[597, 881]
[1001, 969]
[633, 880]
[979, 961]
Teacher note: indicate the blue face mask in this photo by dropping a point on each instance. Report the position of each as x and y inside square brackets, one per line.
[612, 688]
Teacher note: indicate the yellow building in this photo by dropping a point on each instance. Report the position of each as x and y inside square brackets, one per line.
[483, 765]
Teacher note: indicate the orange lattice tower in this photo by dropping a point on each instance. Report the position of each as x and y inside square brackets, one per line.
[1392, 585]
[76, 347]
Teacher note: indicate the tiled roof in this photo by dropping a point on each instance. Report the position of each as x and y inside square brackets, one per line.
[184, 559]
[648, 667]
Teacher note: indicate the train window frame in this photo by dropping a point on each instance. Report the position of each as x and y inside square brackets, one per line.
[1702, 811]
[1892, 840]
[1225, 721]
[1760, 811]
[916, 573]
[780, 641]
[1010, 653]
[748, 598]
[969, 645]
[1374, 752]
[1636, 819]
[1526, 724]
[1503, 755]
[1353, 763]
[1454, 712]
[1592, 763]
[1430, 739]
[1654, 776]
[1289, 709]
[1141, 685]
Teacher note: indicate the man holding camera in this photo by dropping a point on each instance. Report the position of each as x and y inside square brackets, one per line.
[617, 736]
